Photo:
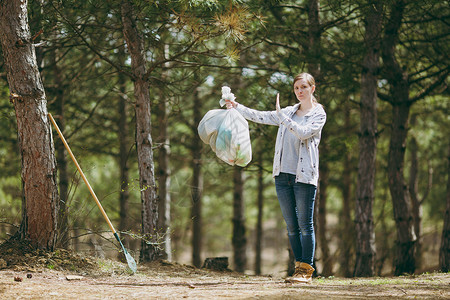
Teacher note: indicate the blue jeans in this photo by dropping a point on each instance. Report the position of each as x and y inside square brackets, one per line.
[297, 206]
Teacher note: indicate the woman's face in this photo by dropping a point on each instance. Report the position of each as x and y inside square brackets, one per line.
[303, 91]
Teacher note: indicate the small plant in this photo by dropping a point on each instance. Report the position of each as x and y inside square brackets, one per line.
[105, 265]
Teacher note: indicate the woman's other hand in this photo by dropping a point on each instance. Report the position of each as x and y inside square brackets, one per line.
[277, 105]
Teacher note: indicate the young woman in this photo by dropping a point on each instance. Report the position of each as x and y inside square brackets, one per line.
[296, 167]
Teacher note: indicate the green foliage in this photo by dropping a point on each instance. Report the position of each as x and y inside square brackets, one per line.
[192, 49]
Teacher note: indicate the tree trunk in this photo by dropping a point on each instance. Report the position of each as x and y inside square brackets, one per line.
[164, 183]
[291, 260]
[40, 200]
[415, 201]
[347, 231]
[61, 157]
[398, 80]
[321, 202]
[383, 245]
[406, 238]
[197, 185]
[444, 252]
[365, 235]
[144, 143]
[260, 205]
[163, 172]
[124, 145]
[314, 49]
[239, 239]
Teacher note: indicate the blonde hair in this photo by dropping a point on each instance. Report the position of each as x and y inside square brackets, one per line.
[308, 78]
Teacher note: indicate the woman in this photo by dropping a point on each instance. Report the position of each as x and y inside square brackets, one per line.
[295, 167]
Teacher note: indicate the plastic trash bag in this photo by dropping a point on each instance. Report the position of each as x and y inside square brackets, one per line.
[226, 131]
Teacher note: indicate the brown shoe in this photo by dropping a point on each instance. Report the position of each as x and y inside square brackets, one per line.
[303, 273]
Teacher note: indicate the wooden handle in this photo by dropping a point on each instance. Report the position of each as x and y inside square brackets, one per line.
[81, 173]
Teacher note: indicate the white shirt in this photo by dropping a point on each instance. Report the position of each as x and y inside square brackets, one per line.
[308, 131]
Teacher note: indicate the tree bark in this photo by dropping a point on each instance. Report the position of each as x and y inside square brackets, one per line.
[398, 79]
[444, 251]
[260, 205]
[383, 245]
[365, 235]
[239, 239]
[347, 226]
[321, 202]
[61, 157]
[40, 200]
[149, 245]
[314, 47]
[414, 193]
[406, 238]
[197, 185]
[163, 172]
[124, 145]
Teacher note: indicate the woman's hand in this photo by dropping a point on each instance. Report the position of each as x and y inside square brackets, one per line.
[277, 105]
[230, 103]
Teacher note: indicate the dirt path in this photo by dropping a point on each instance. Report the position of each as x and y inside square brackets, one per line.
[172, 281]
[50, 272]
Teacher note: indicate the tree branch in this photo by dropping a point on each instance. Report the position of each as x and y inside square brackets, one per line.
[92, 48]
[227, 67]
[385, 97]
[341, 20]
[170, 59]
[425, 92]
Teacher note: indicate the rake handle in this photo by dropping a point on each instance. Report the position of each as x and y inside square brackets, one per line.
[82, 174]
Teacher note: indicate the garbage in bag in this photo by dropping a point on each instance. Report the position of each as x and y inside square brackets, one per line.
[226, 131]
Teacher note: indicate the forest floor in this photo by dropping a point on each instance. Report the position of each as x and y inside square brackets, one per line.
[26, 273]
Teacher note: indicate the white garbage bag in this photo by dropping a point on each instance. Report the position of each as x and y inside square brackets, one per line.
[226, 131]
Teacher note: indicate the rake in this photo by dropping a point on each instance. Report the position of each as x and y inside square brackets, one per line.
[130, 260]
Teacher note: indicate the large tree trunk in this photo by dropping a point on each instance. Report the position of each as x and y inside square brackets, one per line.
[383, 245]
[144, 143]
[406, 238]
[365, 235]
[398, 80]
[40, 200]
[239, 239]
[260, 205]
[197, 185]
[444, 252]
